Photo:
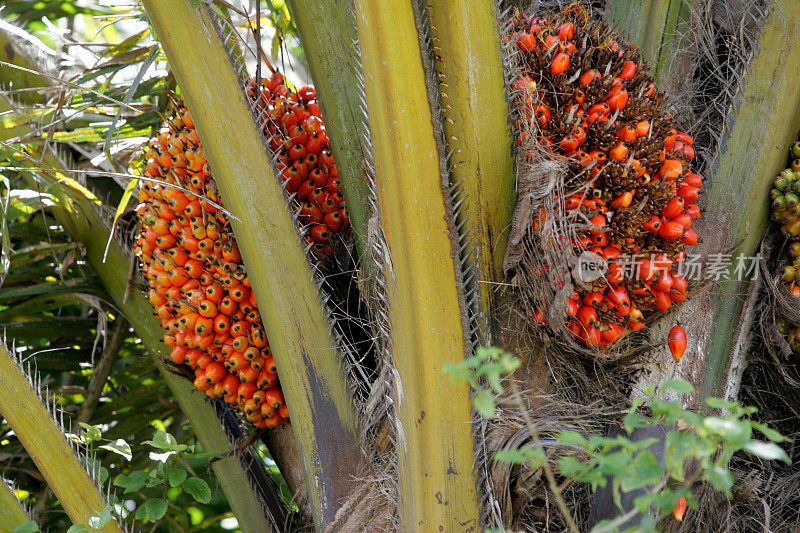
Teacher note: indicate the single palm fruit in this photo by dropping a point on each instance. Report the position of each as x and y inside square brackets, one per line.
[188, 254]
[590, 102]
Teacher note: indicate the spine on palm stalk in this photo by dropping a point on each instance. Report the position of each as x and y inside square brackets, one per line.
[198, 283]
[625, 199]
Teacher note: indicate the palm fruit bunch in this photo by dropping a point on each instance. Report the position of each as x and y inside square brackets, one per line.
[785, 196]
[188, 254]
[297, 137]
[589, 102]
[791, 278]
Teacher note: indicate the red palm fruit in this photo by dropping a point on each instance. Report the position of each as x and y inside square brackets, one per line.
[618, 98]
[201, 383]
[693, 180]
[591, 336]
[266, 379]
[623, 200]
[526, 42]
[690, 237]
[674, 207]
[240, 328]
[320, 234]
[629, 69]
[615, 274]
[690, 194]
[236, 361]
[679, 283]
[627, 133]
[284, 412]
[230, 385]
[270, 364]
[653, 225]
[618, 295]
[250, 353]
[592, 298]
[662, 300]
[589, 76]
[635, 326]
[693, 211]
[684, 220]
[215, 372]
[587, 316]
[204, 360]
[572, 307]
[671, 169]
[646, 269]
[680, 509]
[672, 231]
[178, 355]
[560, 64]
[613, 333]
[274, 397]
[677, 341]
[248, 374]
[246, 391]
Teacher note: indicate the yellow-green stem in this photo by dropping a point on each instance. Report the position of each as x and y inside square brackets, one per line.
[312, 380]
[11, 512]
[435, 445]
[42, 438]
[469, 64]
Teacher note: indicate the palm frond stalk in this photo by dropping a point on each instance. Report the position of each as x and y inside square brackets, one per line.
[766, 117]
[44, 441]
[312, 380]
[435, 445]
[12, 514]
[328, 33]
[466, 46]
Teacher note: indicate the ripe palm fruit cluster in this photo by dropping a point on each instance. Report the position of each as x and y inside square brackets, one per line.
[588, 100]
[297, 137]
[198, 284]
[785, 196]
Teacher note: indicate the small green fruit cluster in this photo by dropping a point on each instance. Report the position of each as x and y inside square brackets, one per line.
[785, 197]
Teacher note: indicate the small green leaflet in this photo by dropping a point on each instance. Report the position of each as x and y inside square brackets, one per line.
[198, 489]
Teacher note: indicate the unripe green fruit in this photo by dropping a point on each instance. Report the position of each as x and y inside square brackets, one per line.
[780, 183]
[783, 329]
[796, 165]
[791, 199]
[778, 202]
[789, 274]
[796, 149]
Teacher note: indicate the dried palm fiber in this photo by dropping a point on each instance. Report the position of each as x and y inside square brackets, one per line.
[189, 255]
